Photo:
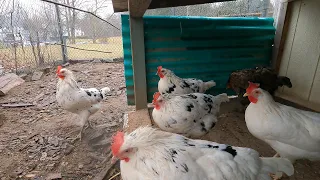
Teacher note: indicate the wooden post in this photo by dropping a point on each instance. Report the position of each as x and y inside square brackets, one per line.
[138, 62]
[137, 8]
[63, 48]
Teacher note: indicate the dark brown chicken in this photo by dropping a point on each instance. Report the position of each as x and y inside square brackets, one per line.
[267, 77]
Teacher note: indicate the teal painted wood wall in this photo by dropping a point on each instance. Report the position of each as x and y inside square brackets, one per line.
[199, 47]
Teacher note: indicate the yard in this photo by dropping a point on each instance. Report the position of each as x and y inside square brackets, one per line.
[35, 141]
[52, 53]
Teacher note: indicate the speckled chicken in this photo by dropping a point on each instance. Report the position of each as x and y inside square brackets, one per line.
[267, 77]
[192, 115]
[72, 98]
[171, 84]
[150, 154]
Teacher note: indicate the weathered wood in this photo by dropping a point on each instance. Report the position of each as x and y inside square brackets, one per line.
[122, 5]
[305, 51]
[8, 82]
[279, 38]
[17, 105]
[138, 62]
[137, 8]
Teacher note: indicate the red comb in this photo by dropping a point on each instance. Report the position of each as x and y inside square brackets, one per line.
[159, 68]
[118, 140]
[59, 68]
[252, 86]
[156, 96]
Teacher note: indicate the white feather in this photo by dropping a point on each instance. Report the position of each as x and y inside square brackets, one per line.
[293, 133]
[159, 155]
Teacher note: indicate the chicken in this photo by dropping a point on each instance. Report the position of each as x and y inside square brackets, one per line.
[150, 154]
[72, 98]
[268, 79]
[293, 133]
[172, 84]
[192, 115]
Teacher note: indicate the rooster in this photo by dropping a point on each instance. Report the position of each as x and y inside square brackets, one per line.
[171, 84]
[268, 79]
[292, 133]
[151, 154]
[72, 98]
[192, 115]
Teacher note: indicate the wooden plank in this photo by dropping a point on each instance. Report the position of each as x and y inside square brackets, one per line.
[305, 50]
[8, 82]
[137, 8]
[293, 10]
[279, 38]
[122, 5]
[315, 90]
[17, 105]
[138, 62]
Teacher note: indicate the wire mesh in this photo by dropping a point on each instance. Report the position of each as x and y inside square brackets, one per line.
[29, 33]
[29, 30]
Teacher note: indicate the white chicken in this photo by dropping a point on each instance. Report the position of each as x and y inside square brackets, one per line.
[171, 84]
[192, 115]
[293, 133]
[72, 98]
[150, 154]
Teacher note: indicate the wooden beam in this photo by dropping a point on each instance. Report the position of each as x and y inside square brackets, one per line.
[279, 38]
[137, 8]
[122, 5]
[138, 62]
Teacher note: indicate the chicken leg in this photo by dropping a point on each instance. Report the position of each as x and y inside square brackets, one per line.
[277, 155]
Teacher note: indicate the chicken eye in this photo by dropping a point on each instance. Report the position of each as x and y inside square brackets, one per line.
[127, 151]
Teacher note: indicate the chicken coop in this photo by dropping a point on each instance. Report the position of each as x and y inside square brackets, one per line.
[211, 48]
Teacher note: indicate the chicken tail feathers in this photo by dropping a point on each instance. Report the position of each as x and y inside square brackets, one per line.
[209, 84]
[284, 81]
[105, 92]
[222, 98]
[274, 165]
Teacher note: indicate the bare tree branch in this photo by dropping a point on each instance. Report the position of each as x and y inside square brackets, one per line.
[64, 5]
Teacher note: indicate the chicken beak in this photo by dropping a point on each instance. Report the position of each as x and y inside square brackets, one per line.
[114, 159]
[245, 95]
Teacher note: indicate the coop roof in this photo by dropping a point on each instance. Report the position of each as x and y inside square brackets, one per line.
[138, 7]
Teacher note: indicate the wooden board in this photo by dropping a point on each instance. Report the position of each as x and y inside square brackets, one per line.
[122, 5]
[315, 90]
[305, 50]
[8, 82]
[138, 62]
[137, 8]
[293, 14]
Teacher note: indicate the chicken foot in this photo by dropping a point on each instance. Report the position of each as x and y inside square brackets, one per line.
[277, 175]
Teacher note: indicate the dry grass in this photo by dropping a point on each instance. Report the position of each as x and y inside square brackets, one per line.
[52, 53]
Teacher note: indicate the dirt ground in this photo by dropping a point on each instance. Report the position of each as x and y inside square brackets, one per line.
[35, 142]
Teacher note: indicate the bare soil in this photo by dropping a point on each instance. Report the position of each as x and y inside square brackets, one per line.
[36, 141]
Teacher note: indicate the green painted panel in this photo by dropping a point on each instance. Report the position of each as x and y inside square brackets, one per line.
[199, 47]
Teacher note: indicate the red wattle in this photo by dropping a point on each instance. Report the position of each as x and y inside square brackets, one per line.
[161, 75]
[157, 107]
[252, 99]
